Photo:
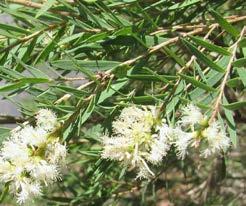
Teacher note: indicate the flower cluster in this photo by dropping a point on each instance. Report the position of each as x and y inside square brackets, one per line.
[32, 157]
[194, 130]
[141, 137]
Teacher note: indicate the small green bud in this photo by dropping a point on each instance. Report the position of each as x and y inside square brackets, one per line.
[204, 122]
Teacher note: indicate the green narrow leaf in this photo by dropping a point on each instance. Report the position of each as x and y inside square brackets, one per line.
[234, 83]
[160, 77]
[4, 132]
[242, 43]
[17, 29]
[231, 123]
[22, 82]
[29, 80]
[50, 47]
[194, 82]
[27, 55]
[200, 56]
[209, 46]
[10, 87]
[240, 62]
[71, 90]
[172, 54]
[112, 89]
[87, 113]
[235, 105]
[11, 73]
[46, 6]
[183, 4]
[242, 74]
[4, 58]
[176, 97]
[4, 192]
[225, 24]
[151, 99]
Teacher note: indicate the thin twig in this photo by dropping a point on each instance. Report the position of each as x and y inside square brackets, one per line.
[187, 65]
[38, 6]
[223, 84]
[29, 37]
[7, 119]
[67, 96]
[72, 78]
[175, 39]
[231, 19]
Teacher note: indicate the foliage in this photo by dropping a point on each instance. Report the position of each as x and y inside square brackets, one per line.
[88, 59]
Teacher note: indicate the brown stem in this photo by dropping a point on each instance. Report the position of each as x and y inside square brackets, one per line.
[38, 6]
[29, 37]
[223, 84]
[175, 39]
[67, 96]
[7, 119]
[187, 65]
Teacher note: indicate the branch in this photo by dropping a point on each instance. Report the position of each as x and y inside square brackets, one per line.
[187, 65]
[7, 119]
[38, 6]
[192, 26]
[29, 37]
[223, 84]
[67, 96]
[175, 39]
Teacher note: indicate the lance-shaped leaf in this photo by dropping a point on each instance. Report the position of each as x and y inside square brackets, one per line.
[231, 123]
[160, 77]
[26, 55]
[88, 64]
[4, 192]
[151, 99]
[10, 87]
[112, 89]
[183, 4]
[90, 108]
[209, 46]
[50, 47]
[46, 6]
[242, 74]
[235, 105]
[195, 82]
[225, 24]
[242, 43]
[4, 132]
[240, 62]
[7, 27]
[22, 82]
[203, 58]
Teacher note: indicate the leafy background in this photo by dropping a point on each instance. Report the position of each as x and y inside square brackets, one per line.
[86, 60]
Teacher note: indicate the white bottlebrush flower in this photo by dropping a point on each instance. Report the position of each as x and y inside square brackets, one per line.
[14, 151]
[191, 115]
[160, 145]
[117, 148]
[216, 139]
[26, 190]
[5, 168]
[182, 140]
[46, 119]
[33, 137]
[56, 153]
[32, 157]
[45, 172]
[138, 138]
